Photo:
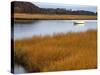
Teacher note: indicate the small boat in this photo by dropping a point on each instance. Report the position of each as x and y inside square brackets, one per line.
[79, 23]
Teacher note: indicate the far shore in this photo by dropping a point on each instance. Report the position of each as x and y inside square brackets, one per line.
[24, 16]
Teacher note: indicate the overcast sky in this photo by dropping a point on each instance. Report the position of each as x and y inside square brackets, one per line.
[67, 6]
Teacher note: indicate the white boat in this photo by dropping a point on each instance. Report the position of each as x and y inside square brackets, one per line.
[79, 23]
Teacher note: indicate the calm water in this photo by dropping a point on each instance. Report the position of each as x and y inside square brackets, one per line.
[49, 27]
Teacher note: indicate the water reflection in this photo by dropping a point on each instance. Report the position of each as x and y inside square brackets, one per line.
[25, 21]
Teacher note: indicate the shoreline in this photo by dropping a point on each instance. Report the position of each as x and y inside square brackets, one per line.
[23, 17]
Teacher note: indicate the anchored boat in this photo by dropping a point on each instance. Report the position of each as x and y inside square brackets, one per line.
[79, 23]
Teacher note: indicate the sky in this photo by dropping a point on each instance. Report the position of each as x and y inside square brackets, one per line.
[67, 6]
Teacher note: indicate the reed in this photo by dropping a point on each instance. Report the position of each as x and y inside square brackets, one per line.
[59, 52]
[23, 16]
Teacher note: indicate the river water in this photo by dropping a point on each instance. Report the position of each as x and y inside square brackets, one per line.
[49, 27]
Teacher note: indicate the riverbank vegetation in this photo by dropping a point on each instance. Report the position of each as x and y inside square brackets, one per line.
[60, 52]
[23, 16]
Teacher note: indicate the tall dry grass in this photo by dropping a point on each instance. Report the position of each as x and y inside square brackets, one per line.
[23, 16]
[59, 52]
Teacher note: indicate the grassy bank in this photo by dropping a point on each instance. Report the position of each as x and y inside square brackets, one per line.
[59, 52]
[23, 16]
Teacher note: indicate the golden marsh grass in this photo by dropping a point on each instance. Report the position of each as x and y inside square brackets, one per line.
[60, 52]
[23, 16]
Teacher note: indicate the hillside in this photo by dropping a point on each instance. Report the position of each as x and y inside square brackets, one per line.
[28, 7]
[24, 7]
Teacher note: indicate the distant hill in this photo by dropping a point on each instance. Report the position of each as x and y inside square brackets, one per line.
[28, 7]
[24, 7]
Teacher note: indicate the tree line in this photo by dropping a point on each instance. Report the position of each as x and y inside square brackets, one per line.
[64, 11]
